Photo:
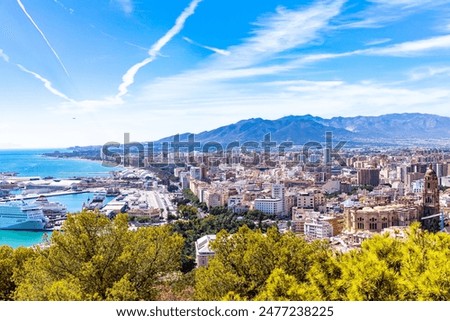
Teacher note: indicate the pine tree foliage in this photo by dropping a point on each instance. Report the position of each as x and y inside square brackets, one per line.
[98, 259]
[250, 265]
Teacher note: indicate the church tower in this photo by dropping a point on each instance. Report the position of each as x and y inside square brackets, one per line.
[430, 193]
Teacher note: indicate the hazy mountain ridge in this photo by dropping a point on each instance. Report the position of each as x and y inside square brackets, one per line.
[301, 129]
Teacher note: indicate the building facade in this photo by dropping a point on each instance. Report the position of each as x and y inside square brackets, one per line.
[269, 205]
[318, 229]
[369, 176]
[375, 219]
[203, 250]
[430, 193]
[278, 191]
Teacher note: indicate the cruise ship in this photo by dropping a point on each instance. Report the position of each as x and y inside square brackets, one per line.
[18, 215]
[51, 210]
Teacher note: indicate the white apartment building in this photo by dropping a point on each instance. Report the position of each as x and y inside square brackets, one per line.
[269, 205]
[278, 192]
[318, 229]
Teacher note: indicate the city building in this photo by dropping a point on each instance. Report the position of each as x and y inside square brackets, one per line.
[432, 218]
[196, 173]
[203, 250]
[184, 180]
[368, 176]
[236, 205]
[377, 218]
[318, 229]
[430, 193]
[278, 192]
[269, 205]
[305, 200]
[212, 199]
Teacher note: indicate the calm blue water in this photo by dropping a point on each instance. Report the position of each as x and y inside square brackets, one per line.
[31, 163]
[16, 239]
[74, 202]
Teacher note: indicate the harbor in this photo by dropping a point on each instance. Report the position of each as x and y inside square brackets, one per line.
[132, 191]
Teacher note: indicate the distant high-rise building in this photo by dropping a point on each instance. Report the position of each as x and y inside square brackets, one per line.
[278, 192]
[419, 168]
[203, 171]
[369, 176]
[439, 169]
[184, 180]
[196, 173]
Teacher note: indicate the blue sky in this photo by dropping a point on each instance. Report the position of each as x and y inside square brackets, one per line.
[81, 72]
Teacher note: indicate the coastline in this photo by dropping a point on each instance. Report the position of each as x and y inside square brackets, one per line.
[79, 158]
[38, 173]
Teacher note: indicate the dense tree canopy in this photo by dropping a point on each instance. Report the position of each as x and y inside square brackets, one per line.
[11, 262]
[250, 265]
[94, 258]
[98, 259]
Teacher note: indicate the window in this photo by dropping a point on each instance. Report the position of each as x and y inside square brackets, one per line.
[373, 226]
[384, 225]
[360, 226]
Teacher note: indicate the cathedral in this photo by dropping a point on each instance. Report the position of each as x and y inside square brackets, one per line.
[376, 218]
[430, 200]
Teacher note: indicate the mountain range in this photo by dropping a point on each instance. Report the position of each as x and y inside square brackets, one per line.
[391, 129]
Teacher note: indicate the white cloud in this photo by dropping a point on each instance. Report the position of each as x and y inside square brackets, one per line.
[226, 104]
[376, 42]
[381, 13]
[215, 103]
[429, 72]
[126, 5]
[411, 48]
[191, 84]
[282, 31]
[409, 3]
[213, 49]
[43, 36]
[4, 56]
[274, 34]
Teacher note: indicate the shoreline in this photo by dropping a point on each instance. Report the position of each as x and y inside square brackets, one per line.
[98, 161]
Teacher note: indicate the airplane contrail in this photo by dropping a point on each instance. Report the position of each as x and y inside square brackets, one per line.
[46, 83]
[213, 49]
[128, 77]
[43, 36]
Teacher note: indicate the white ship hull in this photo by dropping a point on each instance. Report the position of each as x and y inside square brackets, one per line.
[21, 216]
[27, 226]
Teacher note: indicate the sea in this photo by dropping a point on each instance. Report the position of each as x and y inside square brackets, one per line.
[32, 163]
